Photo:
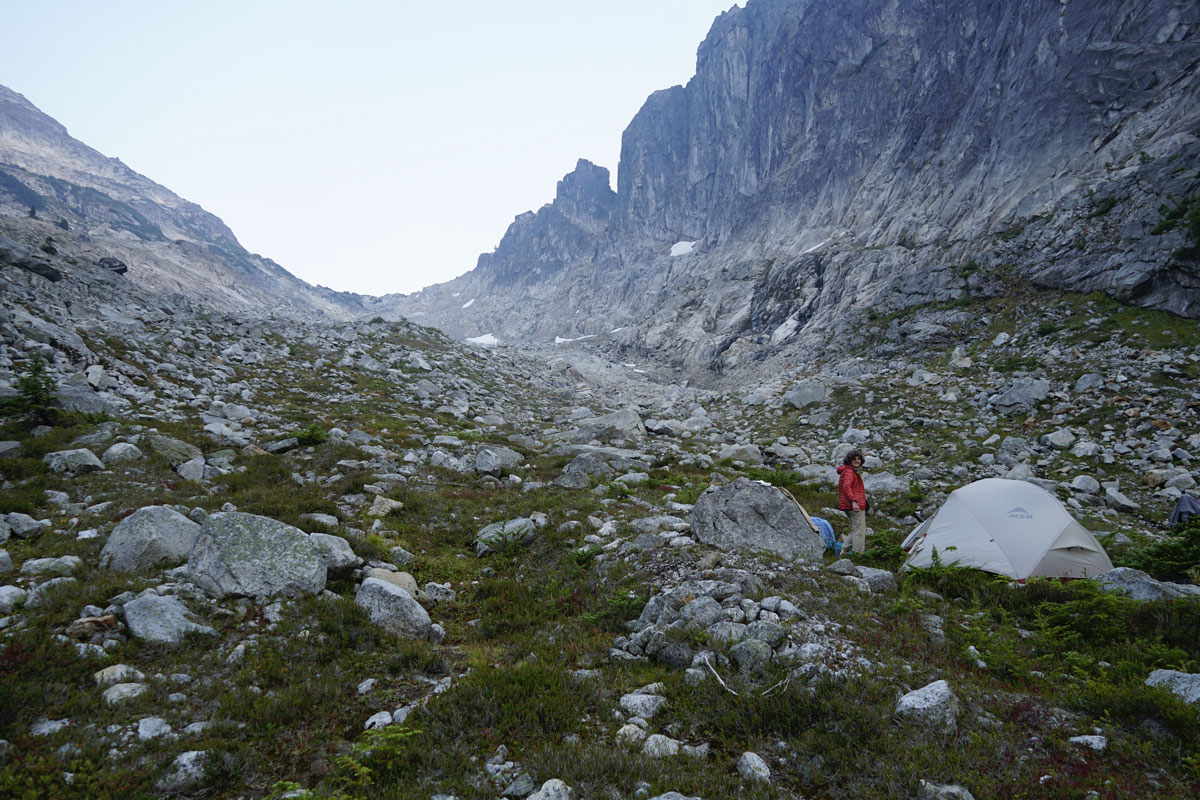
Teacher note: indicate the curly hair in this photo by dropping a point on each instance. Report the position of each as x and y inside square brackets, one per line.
[849, 459]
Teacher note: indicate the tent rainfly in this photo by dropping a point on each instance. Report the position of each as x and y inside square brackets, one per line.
[1008, 527]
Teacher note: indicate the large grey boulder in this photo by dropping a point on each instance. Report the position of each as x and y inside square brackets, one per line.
[749, 515]
[806, 393]
[173, 450]
[151, 535]
[491, 459]
[73, 462]
[339, 556]
[499, 534]
[1021, 396]
[24, 526]
[623, 424]
[1138, 585]
[160, 619]
[934, 706]
[886, 483]
[252, 556]
[393, 609]
[1184, 684]
[589, 464]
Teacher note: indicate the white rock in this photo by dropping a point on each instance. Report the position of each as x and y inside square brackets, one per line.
[659, 746]
[120, 692]
[934, 705]
[751, 767]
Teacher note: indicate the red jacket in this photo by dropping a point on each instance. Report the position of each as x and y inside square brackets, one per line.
[850, 489]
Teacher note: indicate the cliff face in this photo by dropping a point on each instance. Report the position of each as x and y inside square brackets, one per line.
[827, 156]
[95, 207]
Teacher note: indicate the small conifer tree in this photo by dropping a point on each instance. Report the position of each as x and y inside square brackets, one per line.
[36, 387]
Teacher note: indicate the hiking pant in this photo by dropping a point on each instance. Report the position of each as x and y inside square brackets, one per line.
[856, 539]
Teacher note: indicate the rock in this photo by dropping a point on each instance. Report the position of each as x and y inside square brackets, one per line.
[1114, 499]
[117, 673]
[1097, 743]
[1140, 586]
[192, 469]
[630, 734]
[1185, 685]
[660, 746]
[553, 789]
[934, 706]
[10, 598]
[161, 619]
[24, 526]
[880, 580]
[38, 594]
[382, 506]
[491, 459]
[521, 787]
[336, 552]
[253, 556]
[746, 453]
[885, 483]
[927, 790]
[1061, 439]
[751, 656]
[186, 773]
[393, 609]
[500, 534]
[1021, 396]
[1085, 484]
[149, 536]
[806, 393]
[63, 565]
[121, 453]
[120, 692]
[1088, 382]
[748, 515]
[752, 768]
[73, 462]
[6, 564]
[589, 464]
[173, 450]
[623, 424]
[642, 705]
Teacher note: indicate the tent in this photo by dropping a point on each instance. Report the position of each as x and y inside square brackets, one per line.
[1008, 527]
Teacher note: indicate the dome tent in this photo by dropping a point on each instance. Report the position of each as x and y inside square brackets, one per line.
[1008, 527]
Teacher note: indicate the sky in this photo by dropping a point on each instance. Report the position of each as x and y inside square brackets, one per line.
[366, 146]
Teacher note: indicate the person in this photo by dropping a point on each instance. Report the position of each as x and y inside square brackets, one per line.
[852, 498]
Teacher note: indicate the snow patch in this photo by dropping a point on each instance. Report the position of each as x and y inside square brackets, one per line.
[487, 340]
[817, 246]
[618, 330]
[469, 303]
[563, 340]
[456, 294]
[682, 248]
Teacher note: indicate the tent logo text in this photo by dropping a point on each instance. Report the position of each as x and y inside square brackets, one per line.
[1019, 513]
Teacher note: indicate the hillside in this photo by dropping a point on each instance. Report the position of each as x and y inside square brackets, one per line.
[265, 560]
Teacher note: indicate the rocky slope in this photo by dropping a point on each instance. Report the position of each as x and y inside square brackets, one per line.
[60, 197]
[825, 161]
[269, 558]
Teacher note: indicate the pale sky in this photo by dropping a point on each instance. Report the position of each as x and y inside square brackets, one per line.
[364, 145]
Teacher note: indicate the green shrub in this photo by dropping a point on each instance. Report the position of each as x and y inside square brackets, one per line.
[312, 434]
[1176, 559]
[36, 388]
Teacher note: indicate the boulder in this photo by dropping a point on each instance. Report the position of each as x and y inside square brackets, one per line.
[1184, 684]
[623, 424]
[934, 706]
[589, 464]
[121, 453]
[161, 619]
[746, 453]
[749, 515]
[149, 536]
[73, 462]
[173, 450]
[248, 555]
[393, 609]
[1021, 396]
[752, 767]
[806, 393]
[498, 534]
[491, 459]
[339, 557]
[1140, 586]
[886, 483]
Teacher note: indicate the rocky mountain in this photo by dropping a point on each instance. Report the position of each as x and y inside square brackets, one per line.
[62, 201]
[828, 160]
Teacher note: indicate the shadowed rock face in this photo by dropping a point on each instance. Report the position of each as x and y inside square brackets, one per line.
[828, 157]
